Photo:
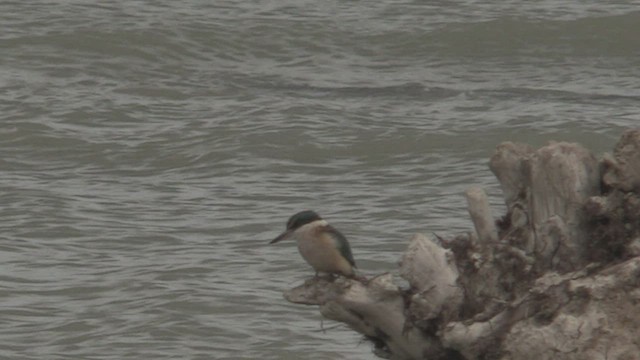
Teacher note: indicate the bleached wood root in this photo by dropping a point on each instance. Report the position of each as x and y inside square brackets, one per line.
[583, 318]
[558, 278]
[622, 171]
[375, 309]
[545, 191]
[433, 276]
[478, 206]
[559, 319]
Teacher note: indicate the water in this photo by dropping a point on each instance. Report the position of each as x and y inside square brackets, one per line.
[150, 149]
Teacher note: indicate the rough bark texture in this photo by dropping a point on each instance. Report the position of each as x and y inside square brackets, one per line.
[557, 277]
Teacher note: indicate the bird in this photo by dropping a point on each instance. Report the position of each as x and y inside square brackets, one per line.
[320, 244]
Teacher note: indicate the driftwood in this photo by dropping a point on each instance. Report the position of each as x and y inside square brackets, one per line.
[557, 277]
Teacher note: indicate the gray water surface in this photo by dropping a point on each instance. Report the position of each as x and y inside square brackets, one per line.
[150, 149]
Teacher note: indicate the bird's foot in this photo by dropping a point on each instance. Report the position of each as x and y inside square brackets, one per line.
[360, 278]
[325, 276]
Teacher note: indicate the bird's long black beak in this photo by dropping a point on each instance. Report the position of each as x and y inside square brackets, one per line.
[282, 236]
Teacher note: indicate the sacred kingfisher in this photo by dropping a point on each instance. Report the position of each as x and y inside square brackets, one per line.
[320, 244]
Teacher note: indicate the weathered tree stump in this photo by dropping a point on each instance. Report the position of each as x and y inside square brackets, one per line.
[557, 277]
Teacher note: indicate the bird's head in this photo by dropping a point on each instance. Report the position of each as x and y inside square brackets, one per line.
[295, 222]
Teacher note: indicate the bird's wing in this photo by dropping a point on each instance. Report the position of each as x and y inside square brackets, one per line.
[343, 244]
